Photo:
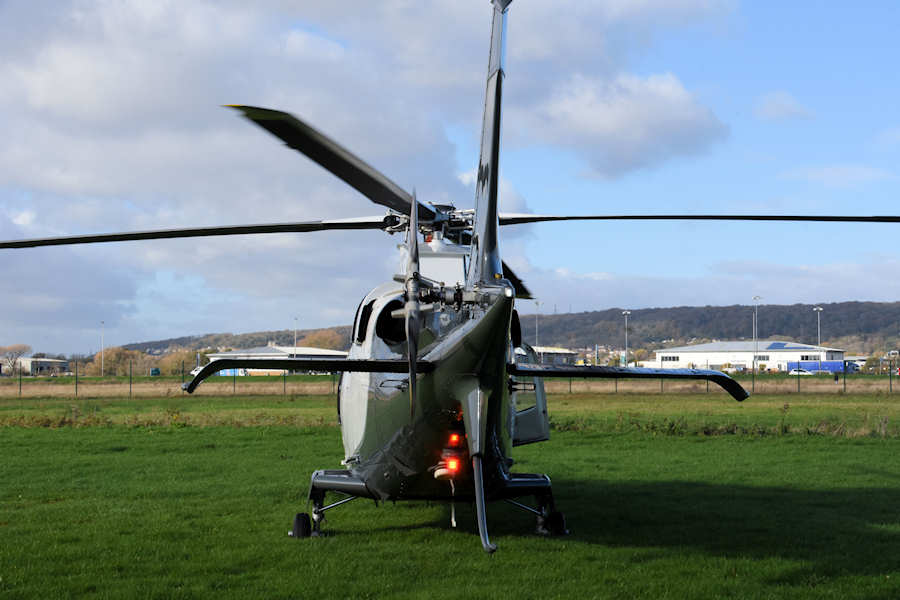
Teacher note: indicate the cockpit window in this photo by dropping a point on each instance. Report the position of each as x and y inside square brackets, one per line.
[363, 324]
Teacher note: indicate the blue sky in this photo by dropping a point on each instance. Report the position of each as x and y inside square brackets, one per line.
[113, 122]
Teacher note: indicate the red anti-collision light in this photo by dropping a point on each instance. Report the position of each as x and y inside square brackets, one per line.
[454, 439]
[453, 465]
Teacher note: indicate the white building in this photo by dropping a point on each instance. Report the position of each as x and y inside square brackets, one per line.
[770, 354]
[41, 366]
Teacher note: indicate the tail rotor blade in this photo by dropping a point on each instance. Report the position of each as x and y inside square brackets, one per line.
[412, 337]
[412, 302]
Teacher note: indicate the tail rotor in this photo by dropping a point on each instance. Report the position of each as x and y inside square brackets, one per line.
[412, 285]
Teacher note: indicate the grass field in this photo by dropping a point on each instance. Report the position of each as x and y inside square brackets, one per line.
[690, 496]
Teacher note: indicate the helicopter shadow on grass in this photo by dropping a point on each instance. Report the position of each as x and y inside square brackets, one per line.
[836, 532]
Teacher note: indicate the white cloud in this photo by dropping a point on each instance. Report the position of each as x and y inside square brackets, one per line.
[628, 122]
[111, 121]
[780, 106]
[23, 218]
[840, 176]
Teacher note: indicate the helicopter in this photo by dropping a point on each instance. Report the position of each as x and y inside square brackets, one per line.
[431, 397]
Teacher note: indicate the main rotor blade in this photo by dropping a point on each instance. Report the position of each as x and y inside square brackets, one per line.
[317, 146]
[522, 292]
[301, 227]
[518, 219]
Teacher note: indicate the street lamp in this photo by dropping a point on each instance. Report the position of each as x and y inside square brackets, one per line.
[818, 311]
[295, 335]
[626, 313]
[756, 300]
[102, 327]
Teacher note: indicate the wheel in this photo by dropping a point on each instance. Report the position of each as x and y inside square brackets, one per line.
[302, 526]
[556, 523]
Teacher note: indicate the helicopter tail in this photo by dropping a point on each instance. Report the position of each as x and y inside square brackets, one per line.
[484, 260]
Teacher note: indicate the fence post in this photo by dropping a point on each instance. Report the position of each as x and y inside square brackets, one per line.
[284, 383]
[20, 381]
[570, 385]
[661, 385]
[845, 377]
[130, 373]
[233, 381]
[798, 376]
[707, 380]
[891, 376]
[76, 377]
[617, 384]
[182, 377]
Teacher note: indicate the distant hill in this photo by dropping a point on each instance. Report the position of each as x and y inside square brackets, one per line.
[337, 338]
[858, 327]
[861, 327]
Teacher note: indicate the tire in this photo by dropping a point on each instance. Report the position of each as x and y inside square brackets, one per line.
[556, 523]
[302, 526]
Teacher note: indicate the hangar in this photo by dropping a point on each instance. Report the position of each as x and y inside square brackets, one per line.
[770, 354]
[555, 355]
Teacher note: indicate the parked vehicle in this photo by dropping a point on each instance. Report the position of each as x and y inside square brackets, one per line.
[799, 372]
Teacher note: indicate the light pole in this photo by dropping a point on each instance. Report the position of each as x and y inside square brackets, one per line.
[102, 327]
[295, 335]
[626, 313]
[756, 300]
[818, 311]
[537, 312]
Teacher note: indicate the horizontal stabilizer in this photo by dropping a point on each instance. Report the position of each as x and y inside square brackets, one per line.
[721, 379]
[307, 364]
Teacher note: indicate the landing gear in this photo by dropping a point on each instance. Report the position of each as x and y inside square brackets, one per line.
[548, 520]
[551, 523]
[302, 527]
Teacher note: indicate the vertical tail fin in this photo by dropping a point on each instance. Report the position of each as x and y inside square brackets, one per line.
[484, 259]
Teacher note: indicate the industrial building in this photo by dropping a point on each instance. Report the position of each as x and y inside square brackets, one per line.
[273, 352]
[41, 366]
[554, 355]
[770, 355]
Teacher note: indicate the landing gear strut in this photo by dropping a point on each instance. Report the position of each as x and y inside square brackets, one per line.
[302, 525]
[548, 520]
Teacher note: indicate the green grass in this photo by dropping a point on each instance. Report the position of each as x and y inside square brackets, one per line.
[93, 509]
[179, 410]
[851, 415]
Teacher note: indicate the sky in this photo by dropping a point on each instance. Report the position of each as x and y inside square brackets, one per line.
[112, 120]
